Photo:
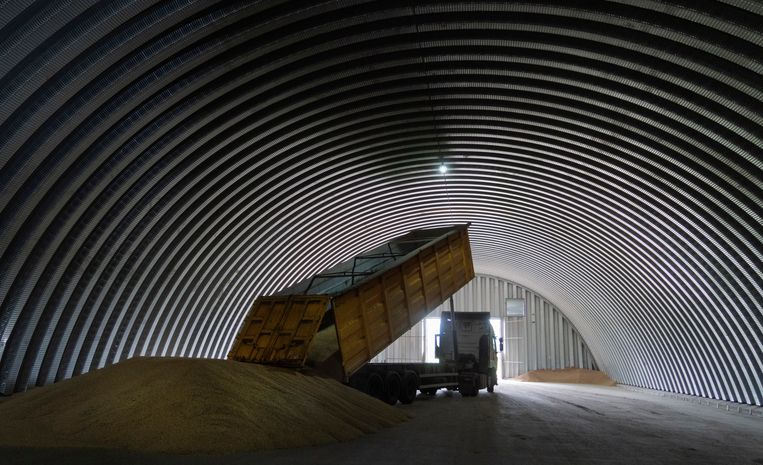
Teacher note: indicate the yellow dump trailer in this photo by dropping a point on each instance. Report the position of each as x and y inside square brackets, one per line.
[356, 309]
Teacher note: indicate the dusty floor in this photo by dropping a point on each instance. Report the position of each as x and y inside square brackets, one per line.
[521, 423]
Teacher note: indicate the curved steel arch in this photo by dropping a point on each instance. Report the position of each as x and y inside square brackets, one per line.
[163, 163]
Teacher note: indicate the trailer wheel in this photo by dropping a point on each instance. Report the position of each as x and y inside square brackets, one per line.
[375, 386]
[394, 386]
[409, 388]
[468, 388]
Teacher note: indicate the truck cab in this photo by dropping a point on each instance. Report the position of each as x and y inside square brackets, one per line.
[467, 344]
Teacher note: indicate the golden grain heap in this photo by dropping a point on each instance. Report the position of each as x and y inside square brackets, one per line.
[179, 405]
[567, 375]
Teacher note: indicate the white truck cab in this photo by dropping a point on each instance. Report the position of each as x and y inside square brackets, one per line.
[468, 344]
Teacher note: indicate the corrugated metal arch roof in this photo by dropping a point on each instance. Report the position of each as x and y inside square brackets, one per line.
[162, 163]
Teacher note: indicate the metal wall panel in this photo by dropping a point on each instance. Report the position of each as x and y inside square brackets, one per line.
[408, 348]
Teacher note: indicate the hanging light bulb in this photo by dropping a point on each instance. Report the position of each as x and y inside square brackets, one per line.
[443, 168]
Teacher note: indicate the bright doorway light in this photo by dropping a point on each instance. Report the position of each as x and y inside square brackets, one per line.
[431, 328]
[497, 324]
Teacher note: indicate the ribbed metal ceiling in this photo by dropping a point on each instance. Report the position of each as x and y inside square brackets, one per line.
[163, 163]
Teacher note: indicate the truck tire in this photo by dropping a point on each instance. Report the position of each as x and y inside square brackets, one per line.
[375, 386]
[468, 389]
[394, 385]
[409, 387]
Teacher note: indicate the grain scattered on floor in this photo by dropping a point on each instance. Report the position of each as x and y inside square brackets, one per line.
[179, 405]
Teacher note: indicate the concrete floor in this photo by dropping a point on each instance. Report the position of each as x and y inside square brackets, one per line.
[521, 423]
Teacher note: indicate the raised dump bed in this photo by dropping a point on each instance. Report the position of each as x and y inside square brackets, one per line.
[339, 319]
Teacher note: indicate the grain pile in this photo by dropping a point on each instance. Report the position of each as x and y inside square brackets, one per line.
[191, 406]
[567, 375]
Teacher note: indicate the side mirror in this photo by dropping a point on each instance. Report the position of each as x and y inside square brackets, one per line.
[500, 341]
